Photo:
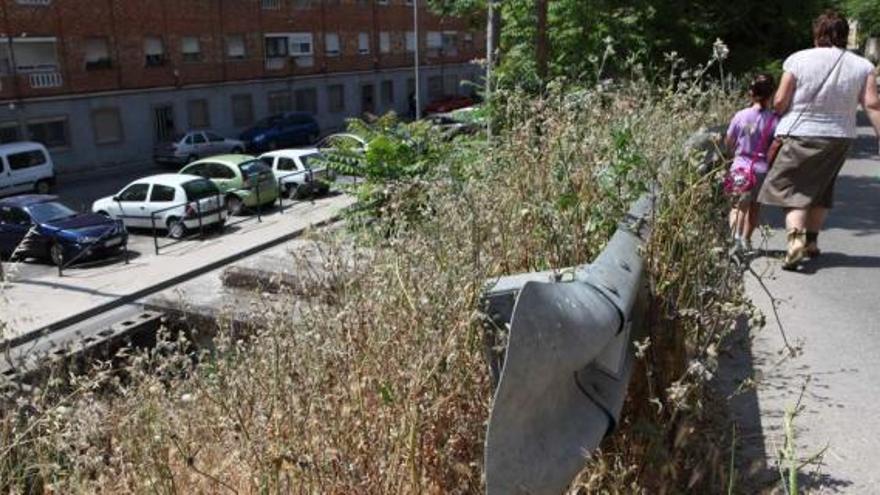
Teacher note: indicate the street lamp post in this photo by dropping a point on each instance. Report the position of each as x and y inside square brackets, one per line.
[416, 65]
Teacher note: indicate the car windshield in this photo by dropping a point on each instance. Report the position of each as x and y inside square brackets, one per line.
[199, 188]
[253, 167]
[268, 122]
[50, 211]
[267, 161]
[309, 160]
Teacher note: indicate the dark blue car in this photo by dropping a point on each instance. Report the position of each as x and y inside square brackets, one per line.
[281, 131]
[57, 233]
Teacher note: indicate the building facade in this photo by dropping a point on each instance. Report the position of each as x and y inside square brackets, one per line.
[101, 81]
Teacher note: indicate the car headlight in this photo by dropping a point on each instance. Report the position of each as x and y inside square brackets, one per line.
[259, 138]
[87, 240]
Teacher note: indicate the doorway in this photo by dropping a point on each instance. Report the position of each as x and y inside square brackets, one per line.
[163, 122]
[368, 98]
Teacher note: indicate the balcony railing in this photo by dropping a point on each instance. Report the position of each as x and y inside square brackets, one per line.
[44, 80]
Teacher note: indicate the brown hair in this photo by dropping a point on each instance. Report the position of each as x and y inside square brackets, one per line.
[831, 29]
[762, 87]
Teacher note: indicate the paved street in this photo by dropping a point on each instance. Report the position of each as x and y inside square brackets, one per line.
[79, 191]
[830, 310]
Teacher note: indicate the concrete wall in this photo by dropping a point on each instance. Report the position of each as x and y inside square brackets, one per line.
[137, 118]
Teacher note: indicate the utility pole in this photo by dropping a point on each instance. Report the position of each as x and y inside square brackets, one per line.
[416, 31]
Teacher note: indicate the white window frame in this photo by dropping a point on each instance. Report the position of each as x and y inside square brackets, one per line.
[296, 42]
[363, 43]
[328, 45]
[384, 42]
[410, 37]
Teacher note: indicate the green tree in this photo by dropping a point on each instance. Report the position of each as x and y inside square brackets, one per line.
[867, 12]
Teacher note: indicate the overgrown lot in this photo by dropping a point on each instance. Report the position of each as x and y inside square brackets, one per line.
[374, 381]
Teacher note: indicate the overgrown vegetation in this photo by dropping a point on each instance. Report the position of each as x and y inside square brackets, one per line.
[372, 379]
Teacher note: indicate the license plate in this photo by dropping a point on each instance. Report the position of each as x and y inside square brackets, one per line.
[113, 242]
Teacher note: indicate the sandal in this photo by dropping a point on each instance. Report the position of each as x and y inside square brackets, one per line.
[797, 244]
[812, 250]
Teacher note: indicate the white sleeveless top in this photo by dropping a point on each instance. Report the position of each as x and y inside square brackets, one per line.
[833, 113]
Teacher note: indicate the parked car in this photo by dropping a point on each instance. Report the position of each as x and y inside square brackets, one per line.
[171, 202]
[448, 104]
[450, 126]
[299, 171]
[342, 139]
[282, 130]
[243, 179]
[189, 147]
[25, 167]
[60, 234]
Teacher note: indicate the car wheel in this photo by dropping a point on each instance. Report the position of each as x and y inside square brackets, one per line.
[301, 191]
[103, 213]
[42, 187]
[56, 254]
[176, 228]
[234, 205]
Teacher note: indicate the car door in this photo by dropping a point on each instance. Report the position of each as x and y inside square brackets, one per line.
[161, 201]
[14, 225]
[201, 146]
[223, 176]
[24, 169]
[131, 204]
[217, 143]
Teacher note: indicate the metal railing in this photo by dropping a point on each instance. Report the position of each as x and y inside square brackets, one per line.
[563, 366]
[199, 216]
[89, 248]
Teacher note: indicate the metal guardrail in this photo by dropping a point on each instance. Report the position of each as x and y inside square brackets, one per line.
[87, 250]
[199, 216]
[563, 371]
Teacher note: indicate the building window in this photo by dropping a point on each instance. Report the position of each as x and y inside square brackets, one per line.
[434, 42]
[97, 54]
[39, 3]
[199, 118]
[35, 54]
[276, 46]
[451, 84]
[468, 42]
[363, 43]
[191, 49]
[307, 100]
[279, 102]
[303, 4]
[450, 43]
[410, 41]
[52, 133]
[336, 98]
[384, 42]
[10, 132]
[154, 51]
[382, 2]
[301, 44]
[331, 44]
[235, 47]
[242, 110]
[107, 125]
[270, 4]
[387, 90]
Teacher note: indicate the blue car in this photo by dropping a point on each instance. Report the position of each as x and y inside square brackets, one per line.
[58, 233]
[281, 131]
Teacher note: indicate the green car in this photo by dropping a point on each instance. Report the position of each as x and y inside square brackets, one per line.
[244, 179]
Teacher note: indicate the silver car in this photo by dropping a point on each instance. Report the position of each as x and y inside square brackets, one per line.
[187, 148]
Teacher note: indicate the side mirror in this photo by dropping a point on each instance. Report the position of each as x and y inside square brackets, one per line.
[115, 198]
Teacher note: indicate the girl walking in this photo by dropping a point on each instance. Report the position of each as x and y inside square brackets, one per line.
[750, 134]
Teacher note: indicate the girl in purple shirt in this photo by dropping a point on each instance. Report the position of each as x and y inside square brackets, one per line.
[750, 134]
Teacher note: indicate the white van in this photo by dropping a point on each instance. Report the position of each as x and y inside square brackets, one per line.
[25, 167]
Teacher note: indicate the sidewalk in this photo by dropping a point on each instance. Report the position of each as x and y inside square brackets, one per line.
[831, 311]
[34, 302]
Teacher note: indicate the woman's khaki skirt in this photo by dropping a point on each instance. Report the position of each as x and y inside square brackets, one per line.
[804, 172]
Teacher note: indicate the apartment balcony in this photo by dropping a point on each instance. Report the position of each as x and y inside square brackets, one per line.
[45, 80]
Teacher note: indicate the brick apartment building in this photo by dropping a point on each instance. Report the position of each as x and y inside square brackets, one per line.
[100, 81]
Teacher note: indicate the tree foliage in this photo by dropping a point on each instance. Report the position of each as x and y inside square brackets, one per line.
[867, 12]
[593, 38]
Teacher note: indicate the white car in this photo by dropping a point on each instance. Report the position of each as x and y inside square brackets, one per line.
[172, 202]
[189, 147]
[298, 171]
[25, 167]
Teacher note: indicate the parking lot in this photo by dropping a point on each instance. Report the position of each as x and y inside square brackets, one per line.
[35, 296]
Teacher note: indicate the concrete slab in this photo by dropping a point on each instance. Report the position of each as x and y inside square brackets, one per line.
[38, 298]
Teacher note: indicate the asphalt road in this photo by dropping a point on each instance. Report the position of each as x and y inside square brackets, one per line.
[830, 311]
[80, 191]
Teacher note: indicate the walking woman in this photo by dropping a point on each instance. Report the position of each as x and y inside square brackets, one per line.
[818, 96]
